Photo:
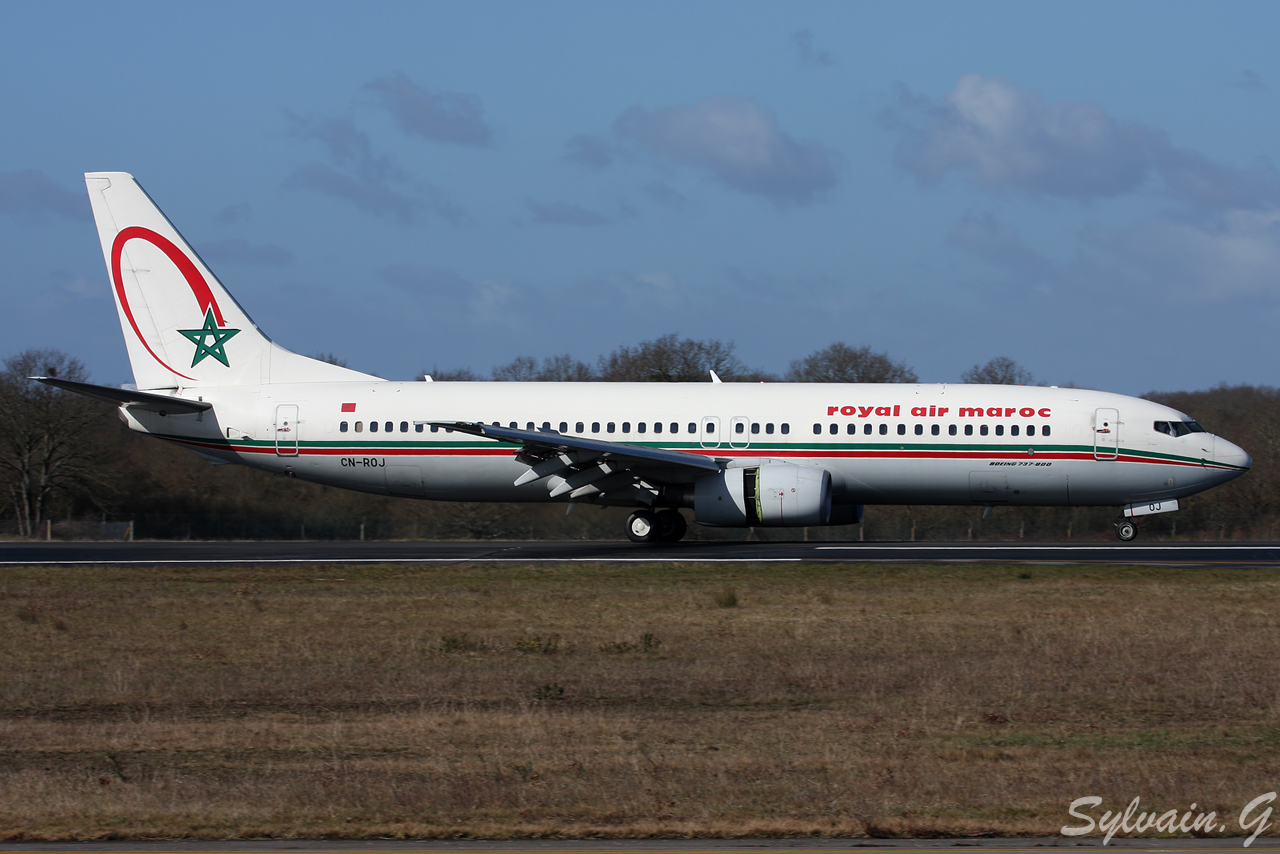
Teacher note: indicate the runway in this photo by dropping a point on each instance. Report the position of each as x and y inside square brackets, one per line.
[637, 846]
[314, 552]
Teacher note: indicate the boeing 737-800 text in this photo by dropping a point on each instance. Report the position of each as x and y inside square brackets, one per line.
[734, 454]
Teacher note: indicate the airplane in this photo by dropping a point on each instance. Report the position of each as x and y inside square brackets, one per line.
[732, 454]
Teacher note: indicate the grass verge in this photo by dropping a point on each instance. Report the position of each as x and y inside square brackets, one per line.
[579, 701]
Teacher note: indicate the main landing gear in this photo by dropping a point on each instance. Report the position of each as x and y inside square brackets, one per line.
[1126, 530]
[662, 526]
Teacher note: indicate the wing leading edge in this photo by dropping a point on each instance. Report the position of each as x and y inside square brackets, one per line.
[591, 469]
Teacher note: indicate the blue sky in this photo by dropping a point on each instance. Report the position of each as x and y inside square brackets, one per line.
[1088, 188]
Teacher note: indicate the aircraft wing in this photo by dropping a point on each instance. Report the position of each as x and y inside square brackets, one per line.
[590, 469]
[162, 403]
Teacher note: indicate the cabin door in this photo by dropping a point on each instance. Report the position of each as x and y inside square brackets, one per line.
[286, 428]
[1106, 434]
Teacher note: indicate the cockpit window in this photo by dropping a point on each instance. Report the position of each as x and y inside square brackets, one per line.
[1177, 428]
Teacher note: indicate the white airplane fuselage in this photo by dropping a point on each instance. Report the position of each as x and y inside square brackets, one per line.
[882, 443]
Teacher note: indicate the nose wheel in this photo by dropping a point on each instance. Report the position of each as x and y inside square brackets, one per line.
[1126, 530]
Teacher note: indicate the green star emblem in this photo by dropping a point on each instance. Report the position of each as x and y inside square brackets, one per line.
[209, 340]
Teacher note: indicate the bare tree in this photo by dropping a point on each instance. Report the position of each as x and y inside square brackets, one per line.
[51, 441]
[999, 371]
[560, 369]
[841, 363]
[671, 359]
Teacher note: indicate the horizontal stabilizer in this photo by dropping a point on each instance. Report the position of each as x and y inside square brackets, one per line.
[161, 403]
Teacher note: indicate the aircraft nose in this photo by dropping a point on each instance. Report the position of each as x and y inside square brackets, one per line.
[1232, 455]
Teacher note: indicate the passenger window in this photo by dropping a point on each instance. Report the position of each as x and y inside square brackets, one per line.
[342, 428]
[657, 426]
[389, 426]
[817, 429]
[577, 428]
[1044, 431]
[710, 427]
[675, 428]
[434, 428]
[755, 427]
[999, 429]
[640, 427]
[835, 428]
[1031, 429]
[852, 430]
[1013, 430]
[768, 428]
[935, 429]
[417, 428]
[951, 430]
[404, 426]
[693, 428]
[919, 429]
[513, 425]
[609, 427]
[902, 429]
[546, 425]
[373, 426]
[867, 428]
[360, 427]
[528, 426]
[739, 427]
[564, 426]
[786, 428]
[595, 426]
[884, 429]
[983, 429]
[968, 429]
[626, 426]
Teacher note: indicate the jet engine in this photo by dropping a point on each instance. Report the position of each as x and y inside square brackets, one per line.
[773, 495]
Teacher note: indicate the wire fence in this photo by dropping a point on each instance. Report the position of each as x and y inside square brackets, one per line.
[494, 522]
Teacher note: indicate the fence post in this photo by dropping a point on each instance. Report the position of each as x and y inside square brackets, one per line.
[362, 519]
[48, 530]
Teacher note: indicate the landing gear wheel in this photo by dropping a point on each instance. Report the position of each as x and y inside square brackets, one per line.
[1126, 530]
[641, 527]
[669, 526]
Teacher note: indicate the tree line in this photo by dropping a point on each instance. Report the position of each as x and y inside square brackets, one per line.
[66, 460]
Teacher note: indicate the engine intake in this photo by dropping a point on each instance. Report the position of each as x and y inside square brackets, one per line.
[776, 495]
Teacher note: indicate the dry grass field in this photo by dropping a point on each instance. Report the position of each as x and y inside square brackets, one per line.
[649, 700]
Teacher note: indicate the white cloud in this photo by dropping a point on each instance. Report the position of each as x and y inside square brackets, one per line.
[456, 117]
[1239, 255]
[30, 195]
[1010, 138]
[737, 141]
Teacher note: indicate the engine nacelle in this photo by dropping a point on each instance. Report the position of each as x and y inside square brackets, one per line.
[775, 495]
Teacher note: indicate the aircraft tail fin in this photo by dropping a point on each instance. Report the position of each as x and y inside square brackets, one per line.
[181, 326]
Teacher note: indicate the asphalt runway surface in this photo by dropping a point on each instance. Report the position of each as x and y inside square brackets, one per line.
[316, 552]
[640, 846]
